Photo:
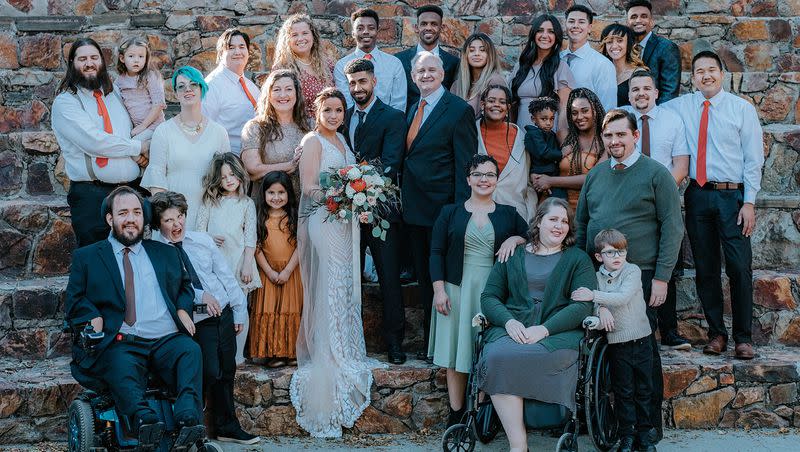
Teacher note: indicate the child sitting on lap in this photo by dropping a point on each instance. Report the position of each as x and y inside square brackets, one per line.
[621, 307]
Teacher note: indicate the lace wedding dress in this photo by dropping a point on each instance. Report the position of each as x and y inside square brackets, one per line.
[331, 387]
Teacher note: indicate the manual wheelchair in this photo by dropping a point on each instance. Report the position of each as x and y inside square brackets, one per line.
[94, 425]
[593, 396]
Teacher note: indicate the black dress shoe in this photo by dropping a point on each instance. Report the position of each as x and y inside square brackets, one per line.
[422, 355]
[396, 355]
[237, 436]
[675, 341]
[626, 444]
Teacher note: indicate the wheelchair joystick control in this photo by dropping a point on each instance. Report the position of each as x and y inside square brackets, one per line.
[90, 339]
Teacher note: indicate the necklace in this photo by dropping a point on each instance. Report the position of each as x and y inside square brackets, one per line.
[546, 250]
[191, 130]
[303, 62]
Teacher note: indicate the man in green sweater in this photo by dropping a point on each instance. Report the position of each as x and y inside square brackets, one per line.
[637, 196]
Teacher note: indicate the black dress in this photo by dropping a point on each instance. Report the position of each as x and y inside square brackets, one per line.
[622, 93]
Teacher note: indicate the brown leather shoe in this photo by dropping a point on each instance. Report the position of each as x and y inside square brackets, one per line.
[716, 346]
[744, 351]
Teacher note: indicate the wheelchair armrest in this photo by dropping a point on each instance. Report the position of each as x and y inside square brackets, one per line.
[591, 322]
[481, 321]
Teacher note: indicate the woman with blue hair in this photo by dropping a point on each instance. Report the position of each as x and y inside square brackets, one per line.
[183, 147]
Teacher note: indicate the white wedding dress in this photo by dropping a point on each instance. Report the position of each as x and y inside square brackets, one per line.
[331, 387]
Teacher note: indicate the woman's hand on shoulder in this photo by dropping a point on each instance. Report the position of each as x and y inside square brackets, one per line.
[516, 330]
[507, 249]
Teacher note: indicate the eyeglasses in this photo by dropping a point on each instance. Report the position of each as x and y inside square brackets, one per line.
[614, 253]
[191, 86]
[488, 176]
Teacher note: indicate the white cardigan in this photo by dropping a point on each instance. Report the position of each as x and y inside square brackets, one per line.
[512, 183]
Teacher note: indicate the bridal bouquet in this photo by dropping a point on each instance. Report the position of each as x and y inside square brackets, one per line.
[358, 192]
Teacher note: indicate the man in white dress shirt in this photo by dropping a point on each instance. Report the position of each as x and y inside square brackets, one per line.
[589, 67]
[391, 86]
[220, 310]
[232, 98]
[661, 137]
[725, 141]
[93, 129]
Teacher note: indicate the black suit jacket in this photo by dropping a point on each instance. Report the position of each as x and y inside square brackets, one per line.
[382, 137]
[663, 58]
[434, 168]
[449, 61]
[95, 290]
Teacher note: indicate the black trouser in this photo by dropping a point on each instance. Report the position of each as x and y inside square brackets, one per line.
[385, 254]
[632, 380]
[656, 373]
[711, 217]
[85, 199]
[421, 250]
[124, 366]
[667, 315]
[217, 341]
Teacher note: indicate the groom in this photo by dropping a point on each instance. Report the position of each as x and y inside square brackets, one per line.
[375, 130]
[441, 139]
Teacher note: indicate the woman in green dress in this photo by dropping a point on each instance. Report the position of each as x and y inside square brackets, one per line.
[466, 238]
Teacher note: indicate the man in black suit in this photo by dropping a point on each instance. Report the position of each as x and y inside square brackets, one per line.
[376, 131]
[661, 55]
[428, 29]
[441, 140]
[137, 293]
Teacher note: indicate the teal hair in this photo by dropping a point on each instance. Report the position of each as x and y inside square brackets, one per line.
[193, 75]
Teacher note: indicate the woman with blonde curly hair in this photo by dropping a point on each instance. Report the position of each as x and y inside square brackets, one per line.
[479, 68]
[271, 140]
[618, 44]
[299, 48]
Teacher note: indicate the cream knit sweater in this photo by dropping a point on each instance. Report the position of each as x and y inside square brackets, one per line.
[621, 292]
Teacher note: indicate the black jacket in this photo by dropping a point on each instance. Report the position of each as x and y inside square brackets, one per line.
[447, 241]
[95, 290]
[449, 61]
[544, 151]
[434, 166]
[663, 58]
[382, 137]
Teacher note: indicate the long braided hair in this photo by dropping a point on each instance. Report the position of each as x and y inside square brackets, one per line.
[572, 139]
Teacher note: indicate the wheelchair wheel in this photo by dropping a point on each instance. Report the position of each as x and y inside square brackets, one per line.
[81, 426]
[598, 398]
[567, 442]
[458, 438]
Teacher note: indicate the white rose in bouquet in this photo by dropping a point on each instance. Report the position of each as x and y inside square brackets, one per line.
[359, 199]
[354, 173]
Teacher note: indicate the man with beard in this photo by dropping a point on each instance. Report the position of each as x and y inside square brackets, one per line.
[637, 196]
[93, 129]
[660, 54]
[391, 85]
[137, 293]
[428, 29]
[376, 131]
[662, 138]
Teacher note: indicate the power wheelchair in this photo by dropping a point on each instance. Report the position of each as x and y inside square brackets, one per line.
[593, 396]
[94, 424]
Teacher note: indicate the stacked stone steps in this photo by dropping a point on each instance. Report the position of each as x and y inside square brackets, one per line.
[700, 392]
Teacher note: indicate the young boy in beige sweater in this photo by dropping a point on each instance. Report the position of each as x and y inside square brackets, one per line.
[621, 308]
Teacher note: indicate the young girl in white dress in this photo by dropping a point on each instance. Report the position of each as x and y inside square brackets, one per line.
[229, 216]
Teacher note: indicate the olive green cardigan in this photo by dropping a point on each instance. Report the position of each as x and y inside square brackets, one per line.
[505, 297]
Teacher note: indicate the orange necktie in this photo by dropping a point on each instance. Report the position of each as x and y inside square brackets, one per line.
[102, 111]
[702, 139]
[247, 91]
[368, 56]
[414, 129]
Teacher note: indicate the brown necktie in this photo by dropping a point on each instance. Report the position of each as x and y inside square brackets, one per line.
[645, 135]
[130, 289]
[619, 166]
[414, 129]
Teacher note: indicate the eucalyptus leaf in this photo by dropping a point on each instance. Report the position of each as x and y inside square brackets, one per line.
[384, 224]
[376, 232]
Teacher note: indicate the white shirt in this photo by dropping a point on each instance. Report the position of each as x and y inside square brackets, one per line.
[215, 275]
[354, 121]
[431, 100]
[79, 133]
[628, 161]
[734, 146]
[227, 104]
[434, 50]
[643, 43]
[667, 134]
[389, 72]
[153, 319]
[594, 71]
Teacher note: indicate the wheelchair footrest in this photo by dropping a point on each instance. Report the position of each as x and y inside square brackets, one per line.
[150, 436]
[188, 437]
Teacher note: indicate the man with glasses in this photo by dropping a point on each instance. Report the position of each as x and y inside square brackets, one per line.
[637, 196]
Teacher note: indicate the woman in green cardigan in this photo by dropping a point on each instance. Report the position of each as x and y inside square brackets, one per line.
[532, 345]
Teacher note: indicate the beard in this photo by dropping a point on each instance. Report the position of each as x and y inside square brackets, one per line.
[365, 101]
[126, 239]
[91, 83]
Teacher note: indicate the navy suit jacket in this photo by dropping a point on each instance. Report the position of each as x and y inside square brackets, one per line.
[95, 290]
[434, 173]
[449, 61]
[663, 58]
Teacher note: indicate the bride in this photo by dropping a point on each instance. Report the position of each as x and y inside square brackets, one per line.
[331, 387]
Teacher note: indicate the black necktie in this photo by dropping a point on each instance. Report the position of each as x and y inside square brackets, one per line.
[361, 115]
[187, 264]
[645, 135]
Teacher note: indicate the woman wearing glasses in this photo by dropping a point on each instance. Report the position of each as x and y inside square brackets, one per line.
[505, 142]
[466, 238]
[183, 147]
